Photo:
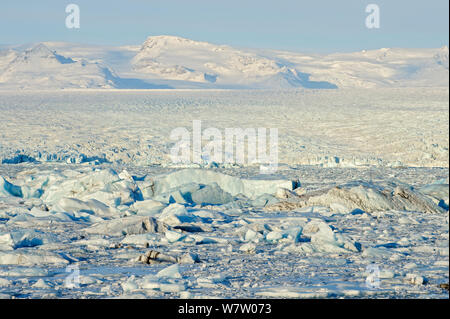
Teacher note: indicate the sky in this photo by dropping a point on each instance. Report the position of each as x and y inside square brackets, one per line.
[296, 25]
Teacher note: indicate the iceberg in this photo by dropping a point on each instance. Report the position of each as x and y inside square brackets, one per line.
[8, 189]
[250, 188]
[127, 226]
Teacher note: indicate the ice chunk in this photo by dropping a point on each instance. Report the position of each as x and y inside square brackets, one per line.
[173, 236]
[8, 189]
[172, 287]
[139, 239]
[415, 279]
[4, 282]
[154, 257]
[147, 207]
[41, 284]
[248, 248]
[377, 252]
[172, 271]
[252, 236]
[264, 199]
[438, 191]
[176, 214]
[91, 205]
[274, 236]
[130, 284]
[25, 238]
[127, 226]
[250, 188]
[103, 185]
[211, 195]
[283, 193]
[181, 194]
[30, 257]
[6, 242]
[89, 280]
[366, 197]
[326, 240]
[188, 258]
[293, 233]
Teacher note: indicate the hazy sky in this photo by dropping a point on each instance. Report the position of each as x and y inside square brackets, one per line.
[315, 25]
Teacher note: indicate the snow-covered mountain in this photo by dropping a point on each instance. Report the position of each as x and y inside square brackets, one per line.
[174, 62]
[40, 67]
[385, 67]
[176, 58]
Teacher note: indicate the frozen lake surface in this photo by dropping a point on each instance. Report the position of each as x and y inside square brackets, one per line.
[91, 205]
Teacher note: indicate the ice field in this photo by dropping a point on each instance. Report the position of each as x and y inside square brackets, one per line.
[91, 205]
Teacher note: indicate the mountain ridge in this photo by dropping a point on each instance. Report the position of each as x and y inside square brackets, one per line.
[174, 62]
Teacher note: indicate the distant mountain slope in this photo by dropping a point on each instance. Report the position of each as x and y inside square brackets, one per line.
[174, 62]
[175, 58]
[376, 68]
[39, 67]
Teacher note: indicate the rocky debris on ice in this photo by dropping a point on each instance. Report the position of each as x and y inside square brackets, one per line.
[251, 188]
[366, 197]
[444, 286]
[127, 226]
[155, 257]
